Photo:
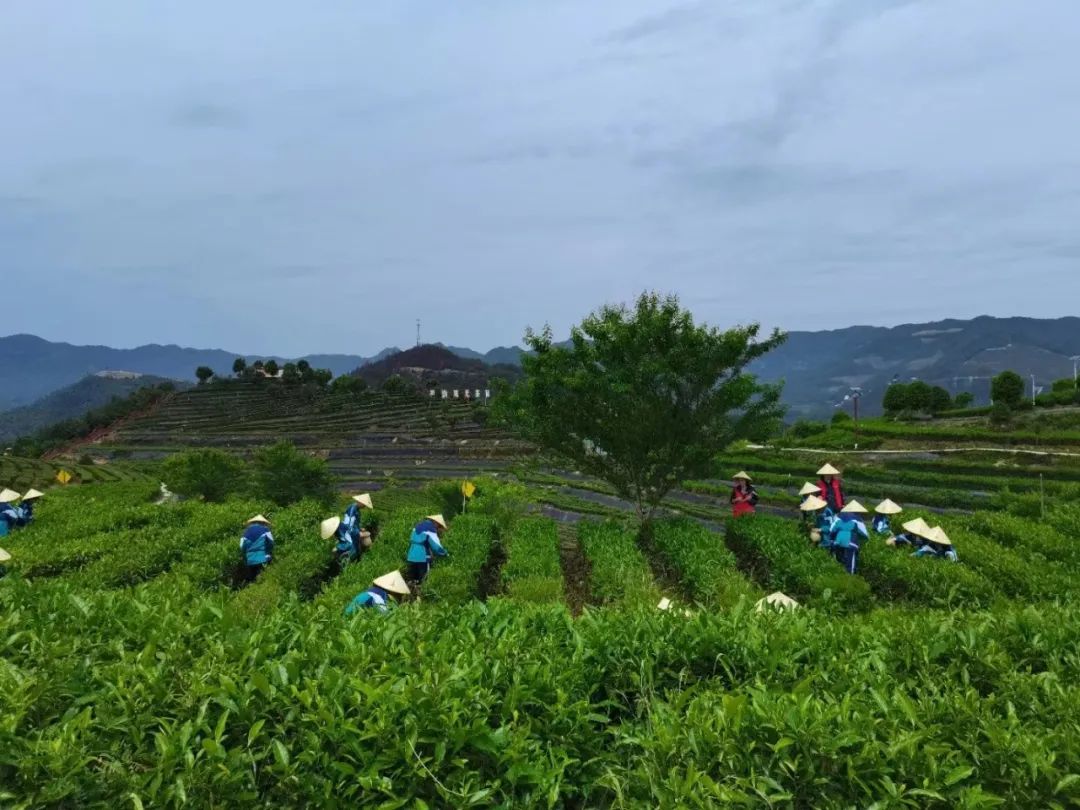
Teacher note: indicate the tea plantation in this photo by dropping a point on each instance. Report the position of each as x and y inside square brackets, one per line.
[533, 670]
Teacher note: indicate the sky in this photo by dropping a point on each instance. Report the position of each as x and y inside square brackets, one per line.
[282, 177]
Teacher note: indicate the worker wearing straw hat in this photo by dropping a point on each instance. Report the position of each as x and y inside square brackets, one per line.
[882, 512]
[9, 513]
[830, 487]
[424, 545]
[257, 546]
[26, 507]
[938, 544]
[913, 535]
[807, 490]
[380, 596]
[846, 533]
[816, 525]
[351, 521]
[744, 497]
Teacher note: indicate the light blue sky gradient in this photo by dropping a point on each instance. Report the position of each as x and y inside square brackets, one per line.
[298, 177]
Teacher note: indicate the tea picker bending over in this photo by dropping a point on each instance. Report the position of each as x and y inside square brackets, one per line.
[257, 546]
[9, 513]
[26, 508]
[380, 596]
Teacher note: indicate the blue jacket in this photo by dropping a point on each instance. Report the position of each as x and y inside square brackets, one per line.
[935, 550]
[346, 543]
[257, 544]
[845, 531]
[881, 524]
[9, 518]
[26, 513]
[373, 597]
[350, 521]
[424, 542]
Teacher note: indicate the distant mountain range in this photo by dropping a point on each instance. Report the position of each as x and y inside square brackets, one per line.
[31, 367]
[818, 368]
[71, 402]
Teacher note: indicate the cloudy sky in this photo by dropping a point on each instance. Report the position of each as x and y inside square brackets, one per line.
[295, 177]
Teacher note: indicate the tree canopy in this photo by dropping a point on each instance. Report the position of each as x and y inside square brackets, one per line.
[1007, 388]
[642, 398]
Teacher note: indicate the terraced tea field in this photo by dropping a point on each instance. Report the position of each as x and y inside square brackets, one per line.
[369, 441]
[533, 669]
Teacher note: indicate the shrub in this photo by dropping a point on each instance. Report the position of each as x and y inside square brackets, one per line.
[285, 475]
[804, 428]
[1000, 414]
[1007, 388]
[210, 474]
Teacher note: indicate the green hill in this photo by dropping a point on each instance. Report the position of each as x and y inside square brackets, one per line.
[72, 402]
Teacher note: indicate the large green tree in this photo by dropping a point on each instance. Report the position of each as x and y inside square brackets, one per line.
[642, 398]
[1007, 388]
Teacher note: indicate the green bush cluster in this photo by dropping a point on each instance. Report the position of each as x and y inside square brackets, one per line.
[532, 571]
[787, 561]
[703, 562]
[619, 572]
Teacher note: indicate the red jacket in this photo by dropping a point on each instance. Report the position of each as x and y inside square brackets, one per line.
[832, 493]
[743, 501]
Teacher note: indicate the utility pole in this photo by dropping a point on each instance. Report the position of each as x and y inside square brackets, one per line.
[855, 394]
[1032, 390]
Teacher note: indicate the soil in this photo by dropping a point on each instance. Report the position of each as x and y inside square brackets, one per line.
[575, 568]
[490, 583]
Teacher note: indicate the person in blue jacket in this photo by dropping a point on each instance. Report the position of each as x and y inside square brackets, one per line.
[380, 596]
[882, 512]
[424, 546]
[351, 520]
[9, 513]
[257, 546]
[26, 507]
[938, 544]
[846, 533]
[913, 535]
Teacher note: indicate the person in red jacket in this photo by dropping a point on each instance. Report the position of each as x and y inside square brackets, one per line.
[743, 495]
[831, 487]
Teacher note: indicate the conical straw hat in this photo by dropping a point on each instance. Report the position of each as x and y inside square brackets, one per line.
[777, 600]
[8, 495]
[812, 504]
[937, 535]
[364, 500]
[887, 507]
[741, 476]
[31, 494]
[328, 528]
[809, 489]
[439, 519]
[393, 582]
[854, 508]
[828, 469]
[4, 556]
[257, 519]
[919, 527]
[664, 604]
